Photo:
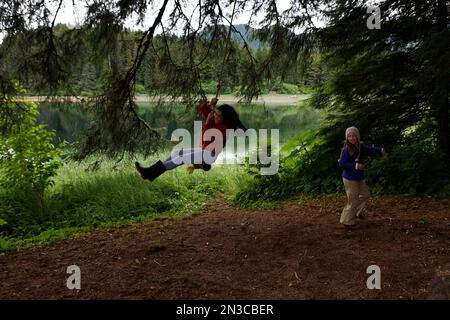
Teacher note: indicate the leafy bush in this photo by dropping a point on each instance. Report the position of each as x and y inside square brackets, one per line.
[285, 88]
[210, 87]
[415, 167]
[140, 89]
[309, 166]
[305, 167]
[29, 161]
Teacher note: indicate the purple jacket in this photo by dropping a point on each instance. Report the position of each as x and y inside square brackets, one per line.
[348, 163]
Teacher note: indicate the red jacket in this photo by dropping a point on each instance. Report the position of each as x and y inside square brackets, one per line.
[206, 109]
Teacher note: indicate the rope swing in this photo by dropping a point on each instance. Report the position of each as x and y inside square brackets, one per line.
[227, 51]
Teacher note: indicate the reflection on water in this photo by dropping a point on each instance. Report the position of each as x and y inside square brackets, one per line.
[70, 122]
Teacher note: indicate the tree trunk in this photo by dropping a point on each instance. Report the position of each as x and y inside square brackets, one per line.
[443, 115]
[441, 93]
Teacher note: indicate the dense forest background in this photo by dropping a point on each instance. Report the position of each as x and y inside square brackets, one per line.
[92, 71]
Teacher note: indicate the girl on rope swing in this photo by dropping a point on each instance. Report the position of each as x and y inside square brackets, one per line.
[351, 161]
[221, 118]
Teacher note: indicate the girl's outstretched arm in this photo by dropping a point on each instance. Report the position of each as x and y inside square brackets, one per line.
[373, 150]
[376, 151]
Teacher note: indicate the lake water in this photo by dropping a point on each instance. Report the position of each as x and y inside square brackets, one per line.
[70, 122]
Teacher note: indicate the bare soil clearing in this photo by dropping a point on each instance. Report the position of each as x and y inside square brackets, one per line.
[296, 251]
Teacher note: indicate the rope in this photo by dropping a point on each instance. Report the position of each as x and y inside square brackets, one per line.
[226, 49]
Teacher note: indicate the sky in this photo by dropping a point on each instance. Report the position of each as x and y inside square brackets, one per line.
[74, 15]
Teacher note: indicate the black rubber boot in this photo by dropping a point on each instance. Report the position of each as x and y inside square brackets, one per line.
[152, 172]
[206, 167]
[142, 171]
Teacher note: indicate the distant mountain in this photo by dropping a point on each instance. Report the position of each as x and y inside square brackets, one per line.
[244, 33]
[248, 33]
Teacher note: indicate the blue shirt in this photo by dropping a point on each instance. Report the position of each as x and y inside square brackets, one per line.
[348, 163]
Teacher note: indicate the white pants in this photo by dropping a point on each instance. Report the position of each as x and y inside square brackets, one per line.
[189, 156]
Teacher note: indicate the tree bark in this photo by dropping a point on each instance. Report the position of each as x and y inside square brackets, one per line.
[441, 93]
[443, 115]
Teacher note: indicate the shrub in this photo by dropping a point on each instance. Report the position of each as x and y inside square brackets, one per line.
[29, 160]
[285, 88]
[305, 167]
[415, 167]
[309, 166]
[140, 89]
[210, 87]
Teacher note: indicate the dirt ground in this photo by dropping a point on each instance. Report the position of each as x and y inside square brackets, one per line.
[296, 251]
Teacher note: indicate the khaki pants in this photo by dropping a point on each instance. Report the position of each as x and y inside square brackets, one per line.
[357, 194]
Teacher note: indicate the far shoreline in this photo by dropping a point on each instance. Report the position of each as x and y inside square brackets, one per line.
[271, 99]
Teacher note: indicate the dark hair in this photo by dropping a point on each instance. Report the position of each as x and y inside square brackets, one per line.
[230, 117]
[355, 151]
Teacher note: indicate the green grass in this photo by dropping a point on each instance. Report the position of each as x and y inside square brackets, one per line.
[49, 236]
[82, 200]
